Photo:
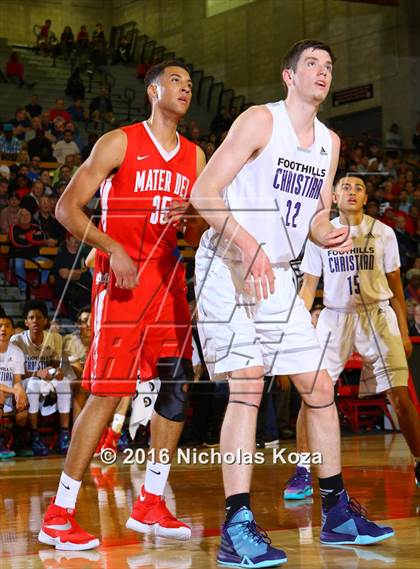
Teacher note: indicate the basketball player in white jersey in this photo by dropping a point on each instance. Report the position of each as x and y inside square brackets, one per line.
[260, 193]
[365, 312]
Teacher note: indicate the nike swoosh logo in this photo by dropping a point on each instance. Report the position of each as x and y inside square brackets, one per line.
[66, 487]
[142, 157]
[154, 472]
[142, 496]
[62, 527]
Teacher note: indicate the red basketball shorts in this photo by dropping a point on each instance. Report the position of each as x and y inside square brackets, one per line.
[133, 329]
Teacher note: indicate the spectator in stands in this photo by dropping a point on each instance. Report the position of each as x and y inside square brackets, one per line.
[77, 111]
[51, 228]
[26, 238]
[393, 139]
[71, 126]
[21, 185]
[10, 145]
[4, 192]
[31, 200]
[70, 266]
[9, 214]
[57, 130]
[59, 111]
[372, 209]
[70, 162]
[221, 122]
[122, 55]
[406, 246]
[82, 39]
[47, 39]
[412, 290]
[33, 108]
[75, 349]
[46, 180]
[98, 35]
[20, 123]
[67, 43]
[61, 176]
[64, 147]
[16, 72]
[92, 138]
[40, 145]
[35, 126]
[414, 328]
[34, 169]
[5, 172]
[46, 121]
[195, 134]
[75, 87]
[100, 108]
[43, 367]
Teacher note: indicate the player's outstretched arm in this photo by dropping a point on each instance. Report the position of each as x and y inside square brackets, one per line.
[248, 136]
[107, 155]
[308, 290]
[322, 232]
[400, 308]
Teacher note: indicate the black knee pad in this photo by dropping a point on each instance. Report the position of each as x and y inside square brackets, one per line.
[176, 375]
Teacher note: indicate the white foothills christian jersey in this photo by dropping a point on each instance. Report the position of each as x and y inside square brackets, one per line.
[356, 278]
[12, 362]
[39, 357]
[275, 196]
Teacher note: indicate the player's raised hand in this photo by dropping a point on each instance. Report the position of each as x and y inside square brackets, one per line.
[259, 276]
[338, 239]
[124, 269]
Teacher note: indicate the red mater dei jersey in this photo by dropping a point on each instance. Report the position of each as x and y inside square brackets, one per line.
[134, 201]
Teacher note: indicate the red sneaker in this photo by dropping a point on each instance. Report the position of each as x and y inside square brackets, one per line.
[99, 445]
[111, 440]
[59, 528]
[150, 515]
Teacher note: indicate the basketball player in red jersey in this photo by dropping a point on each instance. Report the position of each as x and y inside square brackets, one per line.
[140, 313]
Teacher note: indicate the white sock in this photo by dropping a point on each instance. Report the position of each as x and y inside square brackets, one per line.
[304, 462]
[156, 477]
[67, 492]
[118, 423]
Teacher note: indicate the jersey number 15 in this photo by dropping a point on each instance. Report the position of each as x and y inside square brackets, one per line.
[354, 284]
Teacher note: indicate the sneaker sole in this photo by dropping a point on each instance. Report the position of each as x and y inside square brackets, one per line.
[67, 546]
[182, 534]
[360, 540]
[298, 496]
[248, 563]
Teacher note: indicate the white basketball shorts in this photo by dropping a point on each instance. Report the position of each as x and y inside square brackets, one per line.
[237, 332]
[372, 332]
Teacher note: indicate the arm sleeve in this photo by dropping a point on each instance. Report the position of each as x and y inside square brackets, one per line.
[312, 260]
[391, 254]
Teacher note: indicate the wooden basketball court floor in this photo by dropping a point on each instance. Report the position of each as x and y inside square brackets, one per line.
[377, 470]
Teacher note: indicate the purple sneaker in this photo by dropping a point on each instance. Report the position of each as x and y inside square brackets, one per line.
[244, 544]
[346, 523]
[299, 486]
